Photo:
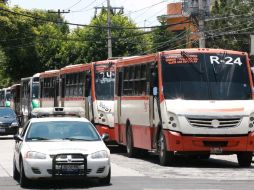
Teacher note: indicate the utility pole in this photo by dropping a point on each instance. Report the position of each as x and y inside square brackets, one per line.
[59, 14]
[109, 30]
[201, 23]
[109, 8]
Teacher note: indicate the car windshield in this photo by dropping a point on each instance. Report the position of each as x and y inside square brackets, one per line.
[62, 130]
[203, 76]
[5, 112]
[8, 95]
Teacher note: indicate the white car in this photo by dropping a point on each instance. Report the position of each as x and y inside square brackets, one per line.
[60, 147]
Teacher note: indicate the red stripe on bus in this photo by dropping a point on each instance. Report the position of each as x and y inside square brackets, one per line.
[217, 110]
[135, 98]
[73, 98]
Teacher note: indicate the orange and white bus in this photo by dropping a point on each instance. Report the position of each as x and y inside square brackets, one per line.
[49, 89]
[102, 85]
[186, 101]
[75, 86]
[91, 86]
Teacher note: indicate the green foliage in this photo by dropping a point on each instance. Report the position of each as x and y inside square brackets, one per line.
[162, 38]
[125, 42]
[232, 30]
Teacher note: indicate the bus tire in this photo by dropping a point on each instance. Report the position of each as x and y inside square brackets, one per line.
[166, 157]
[244, 159]
[131, 151]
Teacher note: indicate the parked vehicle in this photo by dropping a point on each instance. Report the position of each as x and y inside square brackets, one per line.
[186, 101]
[29, 95]
[9, 122]
[60, 147]
[15, 99]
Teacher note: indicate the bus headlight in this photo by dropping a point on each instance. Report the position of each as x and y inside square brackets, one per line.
[172, 121]
[251, 121]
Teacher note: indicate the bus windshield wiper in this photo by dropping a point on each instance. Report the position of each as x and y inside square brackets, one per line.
[187, 57]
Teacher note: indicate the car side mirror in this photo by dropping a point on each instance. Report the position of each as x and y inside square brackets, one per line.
[17, 138]
[105, 136]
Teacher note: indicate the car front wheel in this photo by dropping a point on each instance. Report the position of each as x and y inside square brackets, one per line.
[23, 180]
[106, 180]
[15, 171]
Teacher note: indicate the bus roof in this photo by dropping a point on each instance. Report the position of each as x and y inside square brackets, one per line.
[205, 50]
[50, 73]
[75, 68]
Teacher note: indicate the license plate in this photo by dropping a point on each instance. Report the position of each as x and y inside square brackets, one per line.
[2, 130]
[216, 150]
[70, 167]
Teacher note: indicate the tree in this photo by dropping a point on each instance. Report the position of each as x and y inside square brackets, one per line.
[23, 41]
[125, 42]
[4, 80]
[230, 29]
[162, 38]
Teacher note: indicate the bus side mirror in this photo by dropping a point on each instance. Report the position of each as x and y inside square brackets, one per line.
[155, 91]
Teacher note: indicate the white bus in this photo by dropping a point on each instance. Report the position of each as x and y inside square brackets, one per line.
[188, 101]
[29, 91]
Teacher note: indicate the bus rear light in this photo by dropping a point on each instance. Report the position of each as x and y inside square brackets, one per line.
[174, 125]
[250, 125]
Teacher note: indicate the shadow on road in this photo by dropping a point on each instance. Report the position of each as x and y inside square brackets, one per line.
[183, 161]
[65, 184]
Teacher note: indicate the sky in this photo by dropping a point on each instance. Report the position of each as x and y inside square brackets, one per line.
[142, 12]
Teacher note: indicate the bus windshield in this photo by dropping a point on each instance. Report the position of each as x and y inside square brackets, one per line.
[104, 85]
[8, 95]
[35, 90]
[203, 76]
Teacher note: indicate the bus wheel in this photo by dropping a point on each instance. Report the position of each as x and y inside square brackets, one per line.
[166, 157]
[244, 159]
[131, 151]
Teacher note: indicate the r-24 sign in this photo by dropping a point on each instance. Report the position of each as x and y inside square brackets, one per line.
[228, 60]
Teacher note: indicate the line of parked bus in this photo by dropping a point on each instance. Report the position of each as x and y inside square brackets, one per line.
[188, 101]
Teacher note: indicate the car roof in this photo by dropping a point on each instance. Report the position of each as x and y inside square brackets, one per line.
[46, 119]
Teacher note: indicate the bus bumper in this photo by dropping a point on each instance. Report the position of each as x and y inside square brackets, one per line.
[105, 129]
[178, 142]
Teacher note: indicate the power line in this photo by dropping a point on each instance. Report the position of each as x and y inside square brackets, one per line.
[75, 4]
[75, 24]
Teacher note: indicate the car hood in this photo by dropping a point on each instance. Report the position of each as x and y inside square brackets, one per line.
[7, 120]
[58, 147]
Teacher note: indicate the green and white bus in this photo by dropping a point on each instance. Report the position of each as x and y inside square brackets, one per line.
[29, 95]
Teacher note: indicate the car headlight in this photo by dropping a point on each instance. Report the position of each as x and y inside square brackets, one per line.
[35, 155]
[100, 154]
[14, 124]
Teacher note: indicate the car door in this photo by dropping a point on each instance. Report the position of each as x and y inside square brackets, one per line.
[18, 145]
